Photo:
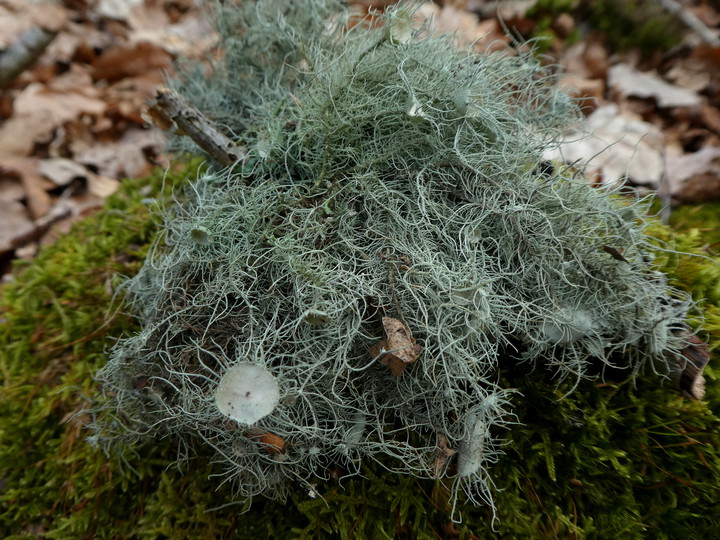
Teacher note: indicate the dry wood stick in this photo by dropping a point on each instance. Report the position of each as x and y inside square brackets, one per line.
[170, 109]
[22, 54]
[691, 21]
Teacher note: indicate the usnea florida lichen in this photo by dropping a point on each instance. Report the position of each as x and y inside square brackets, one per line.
[388, 177]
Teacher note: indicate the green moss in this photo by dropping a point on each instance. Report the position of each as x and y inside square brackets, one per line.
[643, 24]
[611, 461]
[637, 23]
[57, 318]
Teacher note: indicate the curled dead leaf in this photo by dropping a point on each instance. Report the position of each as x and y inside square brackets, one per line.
[398, 349]
[694, 357]
[616, 253]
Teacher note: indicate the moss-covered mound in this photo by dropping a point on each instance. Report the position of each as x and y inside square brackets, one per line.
[609, 460]
[390, 280]
[349, 290]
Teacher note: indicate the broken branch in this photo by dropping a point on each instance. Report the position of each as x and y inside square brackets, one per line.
[691, 21]
[23, 53]
[170, 109]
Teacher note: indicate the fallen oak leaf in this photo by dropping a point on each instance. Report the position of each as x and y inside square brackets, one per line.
[619, 143]
[693, 177]
[398, 349]
[62, 171]
[400, 340]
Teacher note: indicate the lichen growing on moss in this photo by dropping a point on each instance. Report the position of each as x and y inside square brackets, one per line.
[388, 176]
[609, 457]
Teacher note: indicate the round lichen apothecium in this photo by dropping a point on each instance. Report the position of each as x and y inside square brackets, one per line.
[247, 393]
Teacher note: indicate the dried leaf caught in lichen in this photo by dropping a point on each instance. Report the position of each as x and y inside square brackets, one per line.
[398, 349]
[443, 454]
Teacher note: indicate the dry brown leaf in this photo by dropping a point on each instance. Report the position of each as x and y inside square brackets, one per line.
[16, 224]
[618, 143]
[49, 16]
[77, 79]
[588, 92]
[191, 37]
[595, 57]
[62, 171]
[398, 349]
[37, 198]
[102, 186]
[630, 82]
[467, 29]
[694, 177]
[148, 15]
[711, 118]
[130, 60]
[564, 25]
[13, 24]
[60, 106]
[79, 42]
[117, 9]
[450, 20]
[400, 340]
[34, 185]
[19, 134]
[125, 157]
[690, 73]
[38, 112]
[443, 454]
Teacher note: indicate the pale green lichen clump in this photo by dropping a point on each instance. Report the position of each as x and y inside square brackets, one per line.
[388, 175]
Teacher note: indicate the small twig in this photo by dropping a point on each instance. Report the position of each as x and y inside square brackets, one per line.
[170, 109]
[691, 21]
[23, 53]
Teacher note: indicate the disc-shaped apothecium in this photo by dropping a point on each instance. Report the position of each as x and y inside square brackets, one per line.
[247, 393]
